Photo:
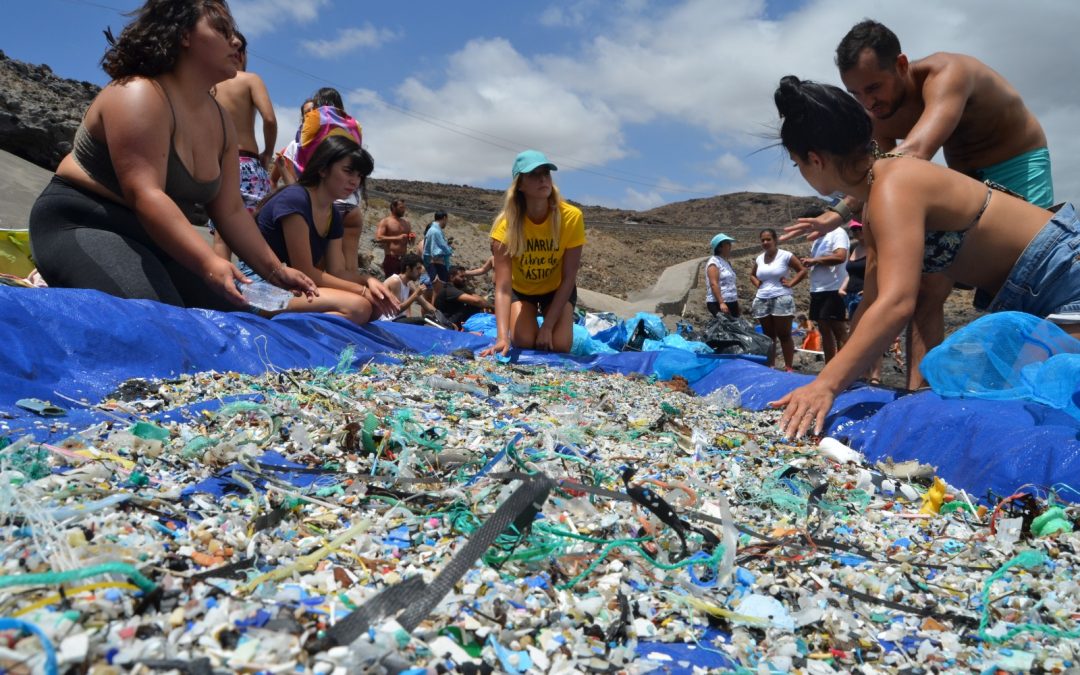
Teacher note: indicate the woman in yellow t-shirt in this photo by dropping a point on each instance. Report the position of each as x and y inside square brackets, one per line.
[536, 242]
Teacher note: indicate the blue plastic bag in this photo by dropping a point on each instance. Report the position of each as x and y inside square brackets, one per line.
[1007, 356]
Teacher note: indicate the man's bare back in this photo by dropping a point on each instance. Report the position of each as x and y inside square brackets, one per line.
[241, 97]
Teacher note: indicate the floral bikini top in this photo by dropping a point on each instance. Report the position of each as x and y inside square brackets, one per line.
[940, 247]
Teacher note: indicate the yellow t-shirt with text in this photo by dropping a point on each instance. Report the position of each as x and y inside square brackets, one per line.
[538, 270]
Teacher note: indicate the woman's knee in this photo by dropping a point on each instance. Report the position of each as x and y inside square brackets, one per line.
[356, 308]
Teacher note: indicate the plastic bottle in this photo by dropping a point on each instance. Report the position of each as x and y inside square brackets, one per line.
[447, 384]
[265, 296]
[726, 397]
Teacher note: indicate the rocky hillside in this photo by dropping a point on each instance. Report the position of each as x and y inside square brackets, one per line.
[39, 111]
[627, 250]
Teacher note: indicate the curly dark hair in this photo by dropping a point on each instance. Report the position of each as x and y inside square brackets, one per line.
[150, 44]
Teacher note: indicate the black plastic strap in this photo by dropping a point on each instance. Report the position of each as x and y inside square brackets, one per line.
[418, 599]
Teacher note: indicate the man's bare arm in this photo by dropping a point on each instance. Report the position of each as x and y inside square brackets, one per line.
[945, 94]
[261, 98]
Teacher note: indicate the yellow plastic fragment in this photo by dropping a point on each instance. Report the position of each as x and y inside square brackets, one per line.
[934, 497]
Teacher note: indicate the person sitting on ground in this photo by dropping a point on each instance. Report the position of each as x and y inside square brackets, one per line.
[811, 336]
[457, 301]
[774, 303]
[537, 241]
[406, 287]
[301, 224]
[437, 252]
[241, 97]
[154, 155]
[828, 273]
[920, 217]
[353, 206]
[721, 295]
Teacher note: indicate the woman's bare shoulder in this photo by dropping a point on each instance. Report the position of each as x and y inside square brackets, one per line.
[142, 92]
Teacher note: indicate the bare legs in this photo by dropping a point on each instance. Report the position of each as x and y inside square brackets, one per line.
[523, 327]
[779, 328]
[833, 336]
[927, 328]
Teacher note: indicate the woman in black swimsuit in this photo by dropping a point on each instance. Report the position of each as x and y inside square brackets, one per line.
[919, 216]
[153, 156]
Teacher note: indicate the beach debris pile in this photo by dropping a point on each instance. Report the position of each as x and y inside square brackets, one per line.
[444, 514]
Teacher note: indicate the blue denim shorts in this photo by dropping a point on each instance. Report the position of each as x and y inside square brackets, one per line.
[783, 305]
[1045, 281]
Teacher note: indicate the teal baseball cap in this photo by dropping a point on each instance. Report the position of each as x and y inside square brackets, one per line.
[530, 160]
[719, 239]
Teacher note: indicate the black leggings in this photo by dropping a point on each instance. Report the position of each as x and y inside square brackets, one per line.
[81, 240]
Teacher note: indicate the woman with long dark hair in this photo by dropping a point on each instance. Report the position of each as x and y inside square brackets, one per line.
[774, 274]
[919, 217]
[154, 155]
[302, 226]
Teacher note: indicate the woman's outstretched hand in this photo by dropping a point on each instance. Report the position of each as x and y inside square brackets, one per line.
[221, 276]
[296, 281]
[805, 408]
[500, 348]
[812, 228]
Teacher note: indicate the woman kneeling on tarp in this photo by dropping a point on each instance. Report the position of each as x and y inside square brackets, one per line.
[155, 155]
[536, 242]
[920, 217]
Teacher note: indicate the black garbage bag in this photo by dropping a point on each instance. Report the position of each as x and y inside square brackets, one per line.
[641, 333]
[729, 335]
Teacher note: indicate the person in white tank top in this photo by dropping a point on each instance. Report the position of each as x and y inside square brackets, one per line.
[775, 272]
[721, 294]
[407, 287]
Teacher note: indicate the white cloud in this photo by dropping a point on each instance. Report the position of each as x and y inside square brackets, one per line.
[730, 167]
[699, 67]
[349, 40]
[255, 17]
[642, 201]
[493, 103]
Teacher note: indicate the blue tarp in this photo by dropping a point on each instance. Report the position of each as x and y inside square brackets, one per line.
[82, 344]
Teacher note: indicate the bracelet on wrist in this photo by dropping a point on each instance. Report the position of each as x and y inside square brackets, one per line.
[843, 210]
[276, 272]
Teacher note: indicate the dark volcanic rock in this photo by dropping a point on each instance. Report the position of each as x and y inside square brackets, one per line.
[39, 112]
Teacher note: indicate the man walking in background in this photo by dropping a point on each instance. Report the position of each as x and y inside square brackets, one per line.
[240, 98]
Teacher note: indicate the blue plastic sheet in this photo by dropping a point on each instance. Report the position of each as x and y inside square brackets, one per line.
[1008, 356]
[83, 344]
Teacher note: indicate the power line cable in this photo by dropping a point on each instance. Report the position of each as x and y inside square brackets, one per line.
[477, 135]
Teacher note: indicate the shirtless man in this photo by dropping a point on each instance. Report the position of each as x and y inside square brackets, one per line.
[240, 97]
[945, 101]
[394, 234]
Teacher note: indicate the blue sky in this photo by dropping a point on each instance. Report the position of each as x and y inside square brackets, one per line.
[639, 103]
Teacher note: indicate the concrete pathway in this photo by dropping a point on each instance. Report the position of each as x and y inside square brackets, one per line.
[667, 296]
[20, 184]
